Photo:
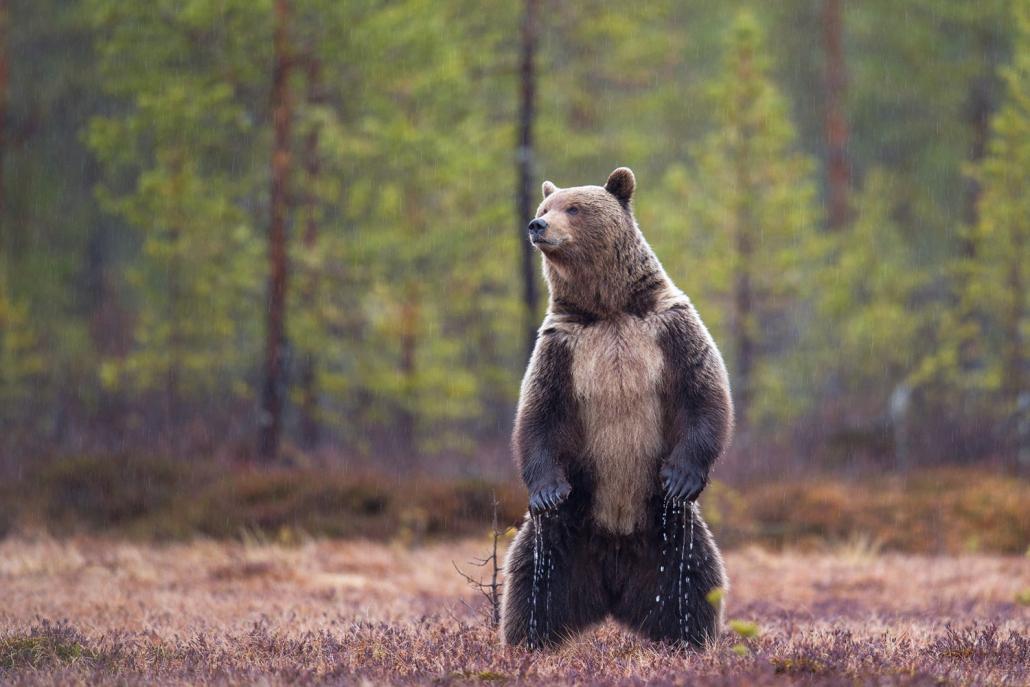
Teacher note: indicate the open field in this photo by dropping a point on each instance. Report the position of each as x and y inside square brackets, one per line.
[97, 610]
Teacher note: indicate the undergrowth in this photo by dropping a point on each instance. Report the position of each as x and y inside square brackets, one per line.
[938, 511]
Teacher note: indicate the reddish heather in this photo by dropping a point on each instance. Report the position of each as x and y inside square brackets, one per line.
[87, 611]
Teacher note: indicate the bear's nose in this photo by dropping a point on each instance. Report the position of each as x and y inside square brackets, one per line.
[536, 228]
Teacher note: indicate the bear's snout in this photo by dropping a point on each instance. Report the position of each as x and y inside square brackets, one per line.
[536, 230]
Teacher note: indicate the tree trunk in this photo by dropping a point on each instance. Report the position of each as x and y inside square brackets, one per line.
[743, 328]
[979, 108]
[4, 66]
[173, 372]
[526, 163]
[274, 393]
[743, 315]
[1014, 365]
[838, 171]
[4, 247]
[408, 424]
[309, 424]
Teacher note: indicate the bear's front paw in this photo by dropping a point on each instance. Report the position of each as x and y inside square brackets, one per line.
[549, 496]
[683, 483]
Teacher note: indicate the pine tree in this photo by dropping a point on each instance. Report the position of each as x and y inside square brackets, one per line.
[273, 395]
[751, 216]
[838, 171]
[415, 303]
[866, 326]
[22, 361]
[173, 153]
[999, 281]
[529, 35]
[4, 80]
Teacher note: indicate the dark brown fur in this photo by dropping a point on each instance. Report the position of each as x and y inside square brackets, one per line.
[624, 408]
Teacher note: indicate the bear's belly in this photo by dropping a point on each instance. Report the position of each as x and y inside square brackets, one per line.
[616, 370]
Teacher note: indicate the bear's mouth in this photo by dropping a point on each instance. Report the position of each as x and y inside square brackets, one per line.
[540, 241]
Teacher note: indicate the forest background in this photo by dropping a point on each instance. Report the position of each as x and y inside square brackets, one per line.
[283, 240]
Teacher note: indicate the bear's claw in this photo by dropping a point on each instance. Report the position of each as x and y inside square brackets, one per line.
[549, 496]
[682, 483]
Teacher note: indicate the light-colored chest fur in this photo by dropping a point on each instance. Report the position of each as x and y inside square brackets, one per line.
[616, 369]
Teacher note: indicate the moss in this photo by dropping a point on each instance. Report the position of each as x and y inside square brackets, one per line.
[44, 645]
[490, 676]
[798, 665]
[745, 628]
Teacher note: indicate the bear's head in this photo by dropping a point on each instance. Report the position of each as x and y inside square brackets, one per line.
[595, 258]
[580, 224]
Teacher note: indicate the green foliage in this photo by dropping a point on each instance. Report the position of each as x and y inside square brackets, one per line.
[403, 229]
[865, 296]
[747, 630]
[133, 267]
[716, 596]
[998, 281]
[392, 206]
[981, 349]
[750, 214]
[48, 220]
[173, 157]
[744, 628]
[20, 358]
[45, 645]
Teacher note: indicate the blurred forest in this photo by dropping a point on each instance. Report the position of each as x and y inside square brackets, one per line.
[288, 230]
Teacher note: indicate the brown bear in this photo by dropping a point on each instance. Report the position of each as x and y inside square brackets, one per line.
[623, 410]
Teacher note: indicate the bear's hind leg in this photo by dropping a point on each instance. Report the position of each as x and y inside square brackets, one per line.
[666, 592]
[550, 591]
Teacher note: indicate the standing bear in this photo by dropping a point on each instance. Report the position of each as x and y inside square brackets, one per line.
[623, 410]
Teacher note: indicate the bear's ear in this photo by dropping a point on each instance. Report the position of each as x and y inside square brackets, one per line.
[621, 184]
[548, 188]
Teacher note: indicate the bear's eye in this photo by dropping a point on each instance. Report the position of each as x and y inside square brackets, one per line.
[572, 210]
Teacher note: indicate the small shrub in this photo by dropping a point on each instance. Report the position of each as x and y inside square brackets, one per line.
[939, 511]
[984, 644]
[936, 511]
[90, 492]
[745, 628]
[8, 512]
[309, 501]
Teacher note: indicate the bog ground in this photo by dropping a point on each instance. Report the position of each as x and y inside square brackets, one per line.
[100, 611]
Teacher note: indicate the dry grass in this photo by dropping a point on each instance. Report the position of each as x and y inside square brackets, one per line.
[90, 611]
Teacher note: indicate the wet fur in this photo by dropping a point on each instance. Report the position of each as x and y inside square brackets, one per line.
[624, 380]
[596, 575]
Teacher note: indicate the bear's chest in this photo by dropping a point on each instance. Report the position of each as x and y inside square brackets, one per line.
[616, 372]
[616, 363]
